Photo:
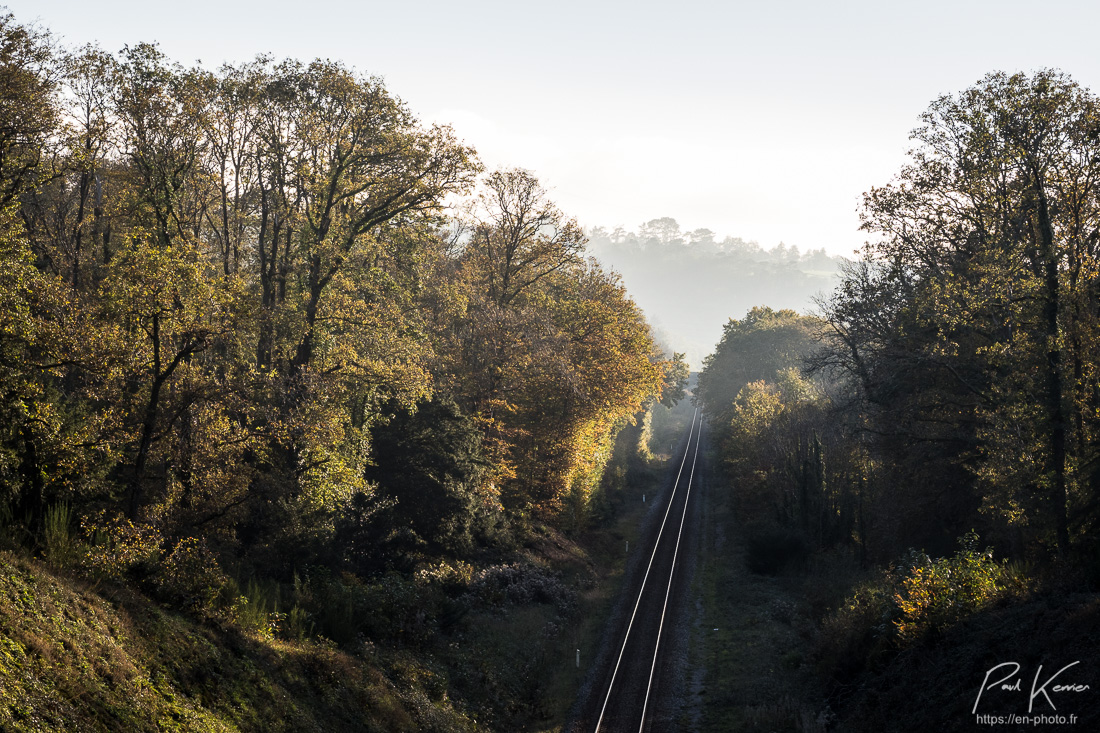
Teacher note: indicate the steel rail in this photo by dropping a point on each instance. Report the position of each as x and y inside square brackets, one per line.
[649, 566]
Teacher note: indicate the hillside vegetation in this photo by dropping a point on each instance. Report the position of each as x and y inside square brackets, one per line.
[302, 409]
[918, 462]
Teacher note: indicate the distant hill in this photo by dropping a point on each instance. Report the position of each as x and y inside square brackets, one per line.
[689, 284]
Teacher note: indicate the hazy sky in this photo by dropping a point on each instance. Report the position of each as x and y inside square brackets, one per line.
[764, 120]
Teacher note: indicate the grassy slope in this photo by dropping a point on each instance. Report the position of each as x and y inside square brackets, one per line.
[751, 638]
[74, 657]
[932, 685]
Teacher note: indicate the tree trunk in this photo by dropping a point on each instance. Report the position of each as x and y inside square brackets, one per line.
[1055, 404]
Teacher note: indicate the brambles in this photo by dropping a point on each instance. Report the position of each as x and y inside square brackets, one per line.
[519, 584]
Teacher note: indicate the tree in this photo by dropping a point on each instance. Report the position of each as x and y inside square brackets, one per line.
[172, 313]
[676, 376]
[664, 230]
[519, 237]
[752, 349]
[28, 106]
[550, 354]
[433, 491]
[972, 304]
[701, 236]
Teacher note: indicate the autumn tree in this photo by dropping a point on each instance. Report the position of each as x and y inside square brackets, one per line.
[551, 354]
[29, 114]
[519, 237]
[970, 325]
[677, 374]
[227, 293]
[753, 348]
[29, 74]
[781, 438]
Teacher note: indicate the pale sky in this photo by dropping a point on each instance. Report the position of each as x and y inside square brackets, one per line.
[764, 120]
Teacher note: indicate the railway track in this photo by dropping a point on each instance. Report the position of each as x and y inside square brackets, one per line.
[628, 686]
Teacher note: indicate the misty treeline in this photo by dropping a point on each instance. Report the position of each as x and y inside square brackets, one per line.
[945, 396]
[656, 235]
[690, 282]
[240, 324]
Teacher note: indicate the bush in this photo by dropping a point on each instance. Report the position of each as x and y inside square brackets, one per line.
[189, 577]
[933, 594]
[117, 547]
[393, 608]
[920, 595]
[520, 584]
[859, 630]
[770, 550]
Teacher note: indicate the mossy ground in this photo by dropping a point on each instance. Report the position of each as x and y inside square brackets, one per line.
[78, 657]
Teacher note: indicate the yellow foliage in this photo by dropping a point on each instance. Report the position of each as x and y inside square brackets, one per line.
[936, 593]
[117, 545]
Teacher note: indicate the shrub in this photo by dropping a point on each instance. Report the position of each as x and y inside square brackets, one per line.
[257, 610]
[401, 609]
[189, 577]
[60, 545]
[298, 625]
[933, 594]
[770, 550]
[117, 547]
[858, 630]
[918, 596]
[452, 576]
[521, 584]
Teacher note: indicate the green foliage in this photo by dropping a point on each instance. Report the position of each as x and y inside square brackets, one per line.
[60, 544]
[967, 330]
[227, 281]
[677, 374]
[777, 441]
[189, 577]
[71, 659]
[754, 348]
[118, 548]
[933, 594]
[433, 484]
[550, 357]
[918, 596]
[236, 332]
[257, 609]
